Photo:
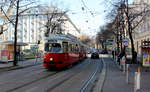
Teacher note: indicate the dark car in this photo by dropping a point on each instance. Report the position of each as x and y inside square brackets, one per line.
[104, 52]
[95, 55]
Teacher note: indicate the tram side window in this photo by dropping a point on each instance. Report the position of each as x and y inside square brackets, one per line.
[76, 48]
[53, 47]
[70, 48]
[82, 49]
[65, 46]
[46, 47]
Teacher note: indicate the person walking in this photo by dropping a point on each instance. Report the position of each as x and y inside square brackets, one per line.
[113, 54]
[121, 54]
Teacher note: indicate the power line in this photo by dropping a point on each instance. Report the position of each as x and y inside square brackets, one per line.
[75, 12]
[87, 8]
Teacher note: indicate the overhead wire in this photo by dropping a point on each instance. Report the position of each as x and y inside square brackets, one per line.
[87, 8]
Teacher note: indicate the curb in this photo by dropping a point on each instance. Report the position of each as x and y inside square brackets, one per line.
[101, 79]
[9, 68]
[16, 67]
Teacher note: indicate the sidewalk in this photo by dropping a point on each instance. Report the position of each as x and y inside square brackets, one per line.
[21, 64]
[115, 80]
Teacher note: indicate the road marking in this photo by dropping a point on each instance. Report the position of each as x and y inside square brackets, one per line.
[89, 81]
[100, 83]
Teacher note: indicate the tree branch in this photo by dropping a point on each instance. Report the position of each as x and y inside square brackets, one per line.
[7, 17]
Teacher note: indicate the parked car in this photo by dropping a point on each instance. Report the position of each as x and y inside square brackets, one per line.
[94, 55]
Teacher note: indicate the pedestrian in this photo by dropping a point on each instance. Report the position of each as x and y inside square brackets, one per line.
[135, 56]
[121, 54]
[113, 54]
[21, 55]
[18, 55]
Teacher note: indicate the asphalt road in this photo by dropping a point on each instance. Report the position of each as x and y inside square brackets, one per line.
[79, 78]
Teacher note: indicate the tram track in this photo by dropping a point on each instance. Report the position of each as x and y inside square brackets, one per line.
[85, 85]
[26, 77]
[9, 77]
[56, 79]
[50, 79]
[21, 86]
[62, 81]
[91, 79]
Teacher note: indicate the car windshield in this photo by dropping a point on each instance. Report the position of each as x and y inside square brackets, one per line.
[52, 47]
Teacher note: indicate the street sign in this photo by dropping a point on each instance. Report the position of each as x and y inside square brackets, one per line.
[125, 41]
[107, 43]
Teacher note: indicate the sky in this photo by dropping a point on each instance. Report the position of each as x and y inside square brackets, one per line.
[87, 15]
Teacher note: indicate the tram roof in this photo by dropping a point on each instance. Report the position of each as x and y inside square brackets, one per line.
[59, 37]
[64, 38]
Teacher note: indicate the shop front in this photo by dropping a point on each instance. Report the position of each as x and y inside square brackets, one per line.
[7, 50]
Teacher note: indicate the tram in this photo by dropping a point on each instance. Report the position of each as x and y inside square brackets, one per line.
[62, 51]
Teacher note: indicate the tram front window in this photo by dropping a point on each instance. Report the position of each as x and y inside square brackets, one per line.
[54, 47]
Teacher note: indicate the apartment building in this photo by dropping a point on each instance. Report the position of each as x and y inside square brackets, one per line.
[31, 27]
[142, 32]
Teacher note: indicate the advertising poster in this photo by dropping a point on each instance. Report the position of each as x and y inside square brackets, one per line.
[146, 59]
[145, 53]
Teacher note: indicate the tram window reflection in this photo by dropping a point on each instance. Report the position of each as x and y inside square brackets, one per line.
[54, 47]
[65, 46]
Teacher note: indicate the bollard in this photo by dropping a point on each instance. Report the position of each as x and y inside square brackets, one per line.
[124, 68]
[137, 80]
[123, 64]
[127, 73]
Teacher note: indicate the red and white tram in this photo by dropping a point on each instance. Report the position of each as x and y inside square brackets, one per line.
[62, 50]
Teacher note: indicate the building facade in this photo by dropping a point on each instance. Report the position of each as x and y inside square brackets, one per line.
[31, 27]
[142, 31]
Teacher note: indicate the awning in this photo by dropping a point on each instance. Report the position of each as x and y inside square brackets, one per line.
[12, 43]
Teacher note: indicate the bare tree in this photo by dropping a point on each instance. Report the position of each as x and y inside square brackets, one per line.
[104, 34]
[14, 9]
[85, 39]
[135, 15]
[128, 17]
[100, 39]
[5, 12]
[54, 20]
[116, 25]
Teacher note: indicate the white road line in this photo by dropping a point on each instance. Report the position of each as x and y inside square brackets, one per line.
[89, 81]
[100, 83]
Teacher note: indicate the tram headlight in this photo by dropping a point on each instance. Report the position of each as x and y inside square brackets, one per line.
[51, 59]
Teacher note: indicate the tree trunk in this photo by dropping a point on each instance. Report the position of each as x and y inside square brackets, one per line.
[117, 38]
[132, 43]
[121, 45]
[132, 47]
[15, 35]
[102, 44]
[130, 34]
